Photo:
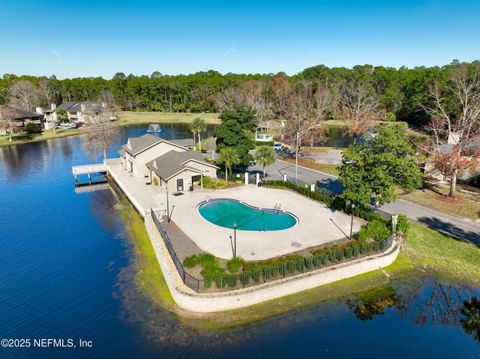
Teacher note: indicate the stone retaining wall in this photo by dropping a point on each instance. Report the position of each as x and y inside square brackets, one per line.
[217, 302]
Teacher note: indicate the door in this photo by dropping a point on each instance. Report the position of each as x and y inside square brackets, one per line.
[180, 184]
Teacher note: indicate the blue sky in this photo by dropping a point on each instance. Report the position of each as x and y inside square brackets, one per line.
[91, 38]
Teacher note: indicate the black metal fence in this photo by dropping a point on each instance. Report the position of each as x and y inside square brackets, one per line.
[189, 280]
[259, 274]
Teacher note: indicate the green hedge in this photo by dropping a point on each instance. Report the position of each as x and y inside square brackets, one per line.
[331, 201]
[287, 267]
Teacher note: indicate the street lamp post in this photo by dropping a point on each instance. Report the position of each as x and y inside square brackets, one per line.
[351, 221]
[168, 208]
[234, 240]
[299, 134]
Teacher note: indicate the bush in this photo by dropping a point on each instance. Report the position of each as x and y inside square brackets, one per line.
[209, 182]
[32, 128]
[376, 230]
[155, 181]
[403, 224]
[234, 264]
[390, 116]
[190, 262]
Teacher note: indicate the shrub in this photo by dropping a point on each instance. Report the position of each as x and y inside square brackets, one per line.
[32, 128]
[190, 262]
[209, 182]
[403, 224]
[390, 116]
[375, 229]
[234, 264]
[245, 278]
[155, 181]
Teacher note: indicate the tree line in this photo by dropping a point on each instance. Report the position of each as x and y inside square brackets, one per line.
[397, 93]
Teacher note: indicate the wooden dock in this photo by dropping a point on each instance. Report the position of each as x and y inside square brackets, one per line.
[88, 170]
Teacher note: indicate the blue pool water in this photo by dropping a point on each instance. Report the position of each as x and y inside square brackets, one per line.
[227, 212]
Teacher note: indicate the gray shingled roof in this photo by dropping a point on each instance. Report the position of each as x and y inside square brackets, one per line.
[136, 145]
[140, 144]
[122, 152]
[65, 106]
[18, 114]
[173, 162]
[186, 142]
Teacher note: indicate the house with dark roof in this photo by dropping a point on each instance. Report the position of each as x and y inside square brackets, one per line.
[470, 151]
[180, 171]
[16, 119]
[77, 111]
[138, 151]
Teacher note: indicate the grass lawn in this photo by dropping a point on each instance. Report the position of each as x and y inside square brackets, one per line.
[148, 275]
[331, 169]
[132, 117]
[431, 250]
[45, 135]
[462, 205]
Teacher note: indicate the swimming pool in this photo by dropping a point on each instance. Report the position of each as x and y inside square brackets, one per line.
[227, 212]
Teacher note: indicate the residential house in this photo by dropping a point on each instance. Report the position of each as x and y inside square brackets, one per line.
[78, 111]
[15, 119]
[266, 131]
[49, 116]
[471, 175]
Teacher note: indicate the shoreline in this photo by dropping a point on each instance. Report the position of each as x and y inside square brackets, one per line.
[128, 118]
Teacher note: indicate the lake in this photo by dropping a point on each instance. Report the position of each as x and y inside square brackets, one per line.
[65, 272]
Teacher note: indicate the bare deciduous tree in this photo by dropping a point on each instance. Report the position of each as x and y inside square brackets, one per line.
[306, 109]
[23, 94]
[101, 132]
[456, 126]
[357, 107]
[6, 121]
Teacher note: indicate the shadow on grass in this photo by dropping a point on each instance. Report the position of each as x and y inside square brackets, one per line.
[451, 230]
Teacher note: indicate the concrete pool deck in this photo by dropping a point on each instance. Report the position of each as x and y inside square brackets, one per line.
[316, 225]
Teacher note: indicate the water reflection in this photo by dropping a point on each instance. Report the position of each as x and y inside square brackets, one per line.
[374, 302]
[471, 317]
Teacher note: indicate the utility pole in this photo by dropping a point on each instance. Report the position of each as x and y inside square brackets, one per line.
[297, 148]
[351, 222]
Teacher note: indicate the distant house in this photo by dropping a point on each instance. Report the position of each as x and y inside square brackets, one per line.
[18, 119]
[77, 111]
[469, 175]
[170, 162]
[266, 131]
[49, 116]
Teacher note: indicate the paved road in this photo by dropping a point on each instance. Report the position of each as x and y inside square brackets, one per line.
[454, 226]
[332, 156]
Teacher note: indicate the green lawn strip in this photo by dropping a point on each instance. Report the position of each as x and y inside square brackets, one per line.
[463, 205]
[45, 135]
[430, 250]
[132, 117]
[149, 275]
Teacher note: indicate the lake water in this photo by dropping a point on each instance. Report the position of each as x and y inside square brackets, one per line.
[65, 273]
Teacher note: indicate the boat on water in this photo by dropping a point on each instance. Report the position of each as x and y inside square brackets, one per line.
[154, 128]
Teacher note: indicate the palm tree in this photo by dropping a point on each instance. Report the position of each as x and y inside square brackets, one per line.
[193, 128]
[265, 156]
[198, 126]
[229, 157]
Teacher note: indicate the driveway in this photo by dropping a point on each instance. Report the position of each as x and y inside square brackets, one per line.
[455, 226]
